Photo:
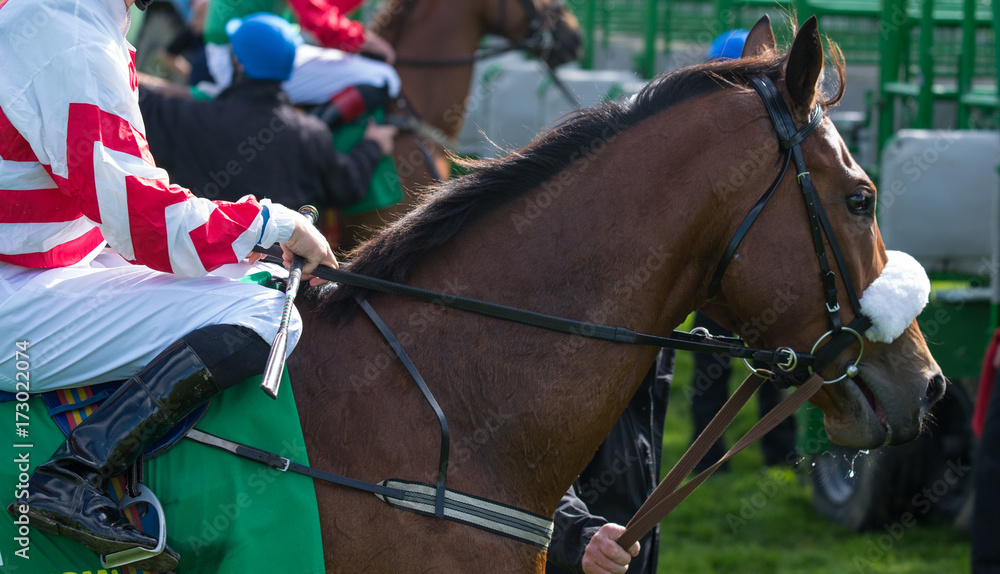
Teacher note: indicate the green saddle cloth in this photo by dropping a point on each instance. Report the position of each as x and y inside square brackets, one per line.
[224, 514]
[384, 189]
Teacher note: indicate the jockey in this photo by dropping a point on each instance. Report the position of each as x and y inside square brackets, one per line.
[281, 151]
[330, 72]
[76, 176]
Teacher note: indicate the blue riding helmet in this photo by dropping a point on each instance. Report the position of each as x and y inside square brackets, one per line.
[265, 45]
[727, 45]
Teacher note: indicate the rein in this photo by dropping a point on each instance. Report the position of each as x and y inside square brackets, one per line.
[696, 341]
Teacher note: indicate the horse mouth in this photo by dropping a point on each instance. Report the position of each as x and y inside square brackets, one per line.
[874, 404]
[854, 415]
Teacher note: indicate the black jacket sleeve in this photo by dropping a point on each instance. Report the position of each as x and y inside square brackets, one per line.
[574, 527]
[344, 178]
[159, 112]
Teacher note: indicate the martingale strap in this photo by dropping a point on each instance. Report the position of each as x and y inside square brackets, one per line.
[397, 347]
[416, 497]
[508, 521]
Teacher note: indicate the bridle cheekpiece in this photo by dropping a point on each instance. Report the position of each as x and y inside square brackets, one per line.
[797, 367]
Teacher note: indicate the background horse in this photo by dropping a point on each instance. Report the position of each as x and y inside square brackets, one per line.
[619, 215]
[436, 43]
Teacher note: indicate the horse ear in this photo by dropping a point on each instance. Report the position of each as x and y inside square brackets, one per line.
[760, 39]
[805, 62]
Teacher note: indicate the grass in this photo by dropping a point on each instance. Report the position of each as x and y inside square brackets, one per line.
[762, 520]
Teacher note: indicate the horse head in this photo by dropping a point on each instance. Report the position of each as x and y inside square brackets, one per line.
[772, 293]
[445, 33]
[546, 28]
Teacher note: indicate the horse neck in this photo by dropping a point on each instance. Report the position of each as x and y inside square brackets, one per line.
[605, 246]
[437, 30]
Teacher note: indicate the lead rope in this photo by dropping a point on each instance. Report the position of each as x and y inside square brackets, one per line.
[669, 493]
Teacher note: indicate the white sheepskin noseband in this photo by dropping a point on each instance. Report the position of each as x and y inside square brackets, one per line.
[895, 298]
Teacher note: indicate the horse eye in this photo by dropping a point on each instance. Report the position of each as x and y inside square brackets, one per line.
[860, 203]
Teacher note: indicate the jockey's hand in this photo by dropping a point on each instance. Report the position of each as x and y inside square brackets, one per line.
[383, 135]
[603, 554]
[255, 256]
[375, 44]
[307, 241]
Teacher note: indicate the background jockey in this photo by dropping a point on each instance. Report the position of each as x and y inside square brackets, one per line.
[330, 72]
[76, 176]
[250, 139]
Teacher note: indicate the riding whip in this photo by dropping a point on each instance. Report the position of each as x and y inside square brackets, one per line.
[276, 360]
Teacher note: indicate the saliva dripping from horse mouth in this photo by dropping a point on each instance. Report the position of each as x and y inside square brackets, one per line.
[854, 459]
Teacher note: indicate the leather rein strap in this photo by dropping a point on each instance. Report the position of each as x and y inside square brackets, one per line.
[679, 340]
[669, 493]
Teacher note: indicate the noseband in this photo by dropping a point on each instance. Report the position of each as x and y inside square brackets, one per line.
[797, 367]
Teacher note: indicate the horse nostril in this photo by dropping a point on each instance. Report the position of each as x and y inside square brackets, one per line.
[935, 390]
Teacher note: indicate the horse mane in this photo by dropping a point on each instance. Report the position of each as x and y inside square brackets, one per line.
[451, 206]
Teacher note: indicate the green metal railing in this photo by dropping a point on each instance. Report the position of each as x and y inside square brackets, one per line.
[927, 51]
[937, 51]
[853, 24]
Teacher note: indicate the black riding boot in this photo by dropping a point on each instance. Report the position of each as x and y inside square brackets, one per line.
[68, 494]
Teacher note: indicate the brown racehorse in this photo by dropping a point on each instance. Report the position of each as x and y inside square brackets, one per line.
[436, 43]
[618, 215]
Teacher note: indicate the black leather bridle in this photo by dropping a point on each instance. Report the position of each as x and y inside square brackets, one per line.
[795, 370]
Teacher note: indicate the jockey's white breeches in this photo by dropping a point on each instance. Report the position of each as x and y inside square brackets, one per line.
[104, 320]
[318, 75]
